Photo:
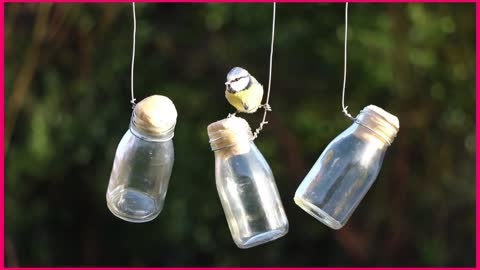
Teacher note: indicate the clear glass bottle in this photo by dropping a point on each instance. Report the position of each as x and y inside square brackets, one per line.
[245, 184]
[143, 162]
[347, 168]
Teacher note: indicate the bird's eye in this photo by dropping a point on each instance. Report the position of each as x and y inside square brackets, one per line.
[237, 79]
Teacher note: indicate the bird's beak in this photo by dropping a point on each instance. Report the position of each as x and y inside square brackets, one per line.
[227, 83]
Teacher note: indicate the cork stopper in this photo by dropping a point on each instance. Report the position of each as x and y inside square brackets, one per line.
[384, 124]
[154, 116]
[232, 134]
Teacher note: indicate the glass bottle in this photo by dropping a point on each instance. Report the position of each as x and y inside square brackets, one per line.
[143, 162]
[347, 168]
[245, 184]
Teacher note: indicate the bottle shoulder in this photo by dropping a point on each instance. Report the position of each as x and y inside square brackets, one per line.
[249, 166]
[348, 148]
[132, 143]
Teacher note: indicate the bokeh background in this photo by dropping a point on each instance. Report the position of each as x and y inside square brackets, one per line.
[67, 72]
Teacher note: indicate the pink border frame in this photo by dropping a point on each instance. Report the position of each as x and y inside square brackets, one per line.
[2, 104]
[477, 73]
[236, 1]
[2, 190]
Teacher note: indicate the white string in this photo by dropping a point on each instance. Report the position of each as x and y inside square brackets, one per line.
[344, 108]
[266, 106]
[133, 53]
[271, 55]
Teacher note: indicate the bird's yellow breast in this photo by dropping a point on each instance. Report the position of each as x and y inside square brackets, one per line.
[247, 100]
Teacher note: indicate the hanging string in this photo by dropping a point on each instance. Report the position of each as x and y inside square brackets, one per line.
[266, 106]
[344, 108]
[133, 54]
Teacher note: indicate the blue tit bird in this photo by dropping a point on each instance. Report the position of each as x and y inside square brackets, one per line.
[243, 91]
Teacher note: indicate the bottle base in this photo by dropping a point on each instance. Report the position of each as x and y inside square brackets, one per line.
[318, 213]
[133, 206]
[263, 238]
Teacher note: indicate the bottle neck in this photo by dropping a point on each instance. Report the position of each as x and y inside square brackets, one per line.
[231, 135]
[150, 134]
[371, 123]
[231, 140]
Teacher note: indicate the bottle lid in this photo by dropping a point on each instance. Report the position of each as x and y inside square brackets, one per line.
[381, 122]
[154, 116]
[232, 132]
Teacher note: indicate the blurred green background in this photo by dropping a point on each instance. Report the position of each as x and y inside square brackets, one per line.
[67, 72]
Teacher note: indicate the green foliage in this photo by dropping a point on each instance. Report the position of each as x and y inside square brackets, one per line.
[415, 60]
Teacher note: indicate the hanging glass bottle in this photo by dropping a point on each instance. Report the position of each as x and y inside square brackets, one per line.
[347, 168]
[245, 184]
[143, 162]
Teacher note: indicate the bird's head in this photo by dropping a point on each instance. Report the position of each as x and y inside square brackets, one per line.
[238, 80]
